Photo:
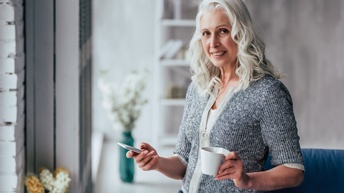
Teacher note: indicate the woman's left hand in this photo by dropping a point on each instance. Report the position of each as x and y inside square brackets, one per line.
[233, 168]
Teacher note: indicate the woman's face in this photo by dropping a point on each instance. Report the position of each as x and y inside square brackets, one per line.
[216, 39]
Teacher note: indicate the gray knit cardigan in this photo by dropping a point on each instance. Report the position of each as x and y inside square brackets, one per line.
[253, 122]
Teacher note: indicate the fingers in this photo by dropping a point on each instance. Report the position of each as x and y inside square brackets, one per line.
[225, 166]
[131, 154]
[143, 146]
[226, 170]
[144, 157]
[146, 146]
[232, 156]
[149, 163]
[230, 161]
[227, 173]
[232, 168]
[147, 159]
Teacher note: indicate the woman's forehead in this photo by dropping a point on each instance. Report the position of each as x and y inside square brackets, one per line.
[214, 18]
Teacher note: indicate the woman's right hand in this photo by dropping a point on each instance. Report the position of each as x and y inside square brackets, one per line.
[147, 159]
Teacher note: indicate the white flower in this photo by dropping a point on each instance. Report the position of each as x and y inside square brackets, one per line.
[124, 103]
[57, 182]
[47, 179]
[61, 183]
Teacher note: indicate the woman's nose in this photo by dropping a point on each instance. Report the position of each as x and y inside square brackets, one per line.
[214, 41]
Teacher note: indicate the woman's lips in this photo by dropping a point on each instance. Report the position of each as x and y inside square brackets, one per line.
[218, 53]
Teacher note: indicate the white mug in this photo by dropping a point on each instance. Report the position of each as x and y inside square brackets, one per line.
[211, 159]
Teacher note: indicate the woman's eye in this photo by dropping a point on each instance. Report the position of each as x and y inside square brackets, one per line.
[224, 31]
[205, 33]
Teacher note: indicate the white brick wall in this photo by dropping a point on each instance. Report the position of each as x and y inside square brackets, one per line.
[12, 103]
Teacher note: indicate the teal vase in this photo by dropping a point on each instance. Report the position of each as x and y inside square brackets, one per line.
[126, 165]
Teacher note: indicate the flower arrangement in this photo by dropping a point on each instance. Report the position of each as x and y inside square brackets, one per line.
[123, 103]
[58, 182]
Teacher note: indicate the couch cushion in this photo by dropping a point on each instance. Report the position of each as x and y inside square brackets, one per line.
[324, 172]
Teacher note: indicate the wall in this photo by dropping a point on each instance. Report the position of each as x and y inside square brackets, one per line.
[58, 67]
[305, 41]
[123, 41]
[12, 116]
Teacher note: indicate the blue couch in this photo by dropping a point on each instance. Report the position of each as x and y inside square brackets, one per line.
[324, 172]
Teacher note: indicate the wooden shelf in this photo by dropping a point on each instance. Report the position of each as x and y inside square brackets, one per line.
[172, 64]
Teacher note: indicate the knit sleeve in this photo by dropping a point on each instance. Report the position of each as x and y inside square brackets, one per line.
[278, 125]
[183, 146]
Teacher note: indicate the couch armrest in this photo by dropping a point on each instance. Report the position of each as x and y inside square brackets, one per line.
[324, 172]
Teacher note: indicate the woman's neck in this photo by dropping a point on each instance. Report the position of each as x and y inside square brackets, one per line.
[228, 76]
[228, 80]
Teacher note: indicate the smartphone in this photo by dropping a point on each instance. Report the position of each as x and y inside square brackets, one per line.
[136, 150]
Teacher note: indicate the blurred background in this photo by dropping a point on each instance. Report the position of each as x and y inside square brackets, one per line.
[304, 41]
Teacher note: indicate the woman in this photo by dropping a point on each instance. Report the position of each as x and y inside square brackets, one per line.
[235, 101]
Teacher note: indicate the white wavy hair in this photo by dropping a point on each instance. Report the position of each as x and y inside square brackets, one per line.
[251, 61]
